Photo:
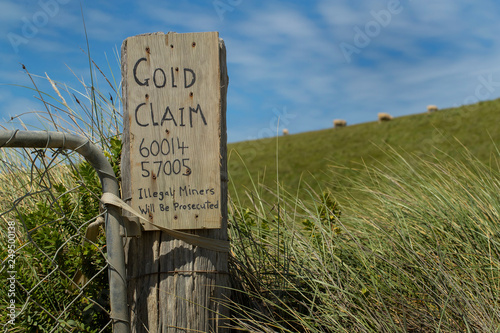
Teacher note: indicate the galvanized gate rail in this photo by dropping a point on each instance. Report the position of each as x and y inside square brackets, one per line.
[114, 244]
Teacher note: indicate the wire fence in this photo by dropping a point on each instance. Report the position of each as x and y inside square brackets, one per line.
[55, 259]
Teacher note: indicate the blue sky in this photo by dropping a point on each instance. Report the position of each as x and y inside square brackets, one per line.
[304, 62]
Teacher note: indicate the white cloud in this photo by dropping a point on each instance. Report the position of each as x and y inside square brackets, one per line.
[108, 27]
[338, 13]
[190, 17]
[279, 24]
[13, 106]
[15, 76]
[11, 13]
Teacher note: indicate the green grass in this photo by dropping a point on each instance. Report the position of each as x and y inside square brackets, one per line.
[327, 158]
[420, 254]
[415, 246]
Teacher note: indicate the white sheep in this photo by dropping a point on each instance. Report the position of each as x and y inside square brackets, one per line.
[339, 123]
[432, 108]
[382, 116]
[285, 131]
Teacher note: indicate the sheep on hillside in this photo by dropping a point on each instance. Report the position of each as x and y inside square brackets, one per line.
[285, 131]
[432, 108]
[382, 116]
[339, 123]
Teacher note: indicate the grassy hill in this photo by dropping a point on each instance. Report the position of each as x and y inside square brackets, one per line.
[327, 158]
[417, 241]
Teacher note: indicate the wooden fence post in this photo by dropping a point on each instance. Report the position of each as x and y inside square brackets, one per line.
[174, 174]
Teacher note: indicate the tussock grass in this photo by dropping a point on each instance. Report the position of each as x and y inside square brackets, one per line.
[52, 197]
[420, 254]
[92, 111]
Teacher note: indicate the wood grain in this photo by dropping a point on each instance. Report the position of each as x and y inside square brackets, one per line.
[173, 117]
[174, 286]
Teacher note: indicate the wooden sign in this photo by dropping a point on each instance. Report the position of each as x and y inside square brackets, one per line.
[174, 129]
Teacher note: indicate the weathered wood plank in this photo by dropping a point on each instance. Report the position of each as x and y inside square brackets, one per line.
[174, 286]
[174, 121]
[142, 258]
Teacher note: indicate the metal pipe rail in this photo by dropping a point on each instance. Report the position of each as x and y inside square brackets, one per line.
[116, 259]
